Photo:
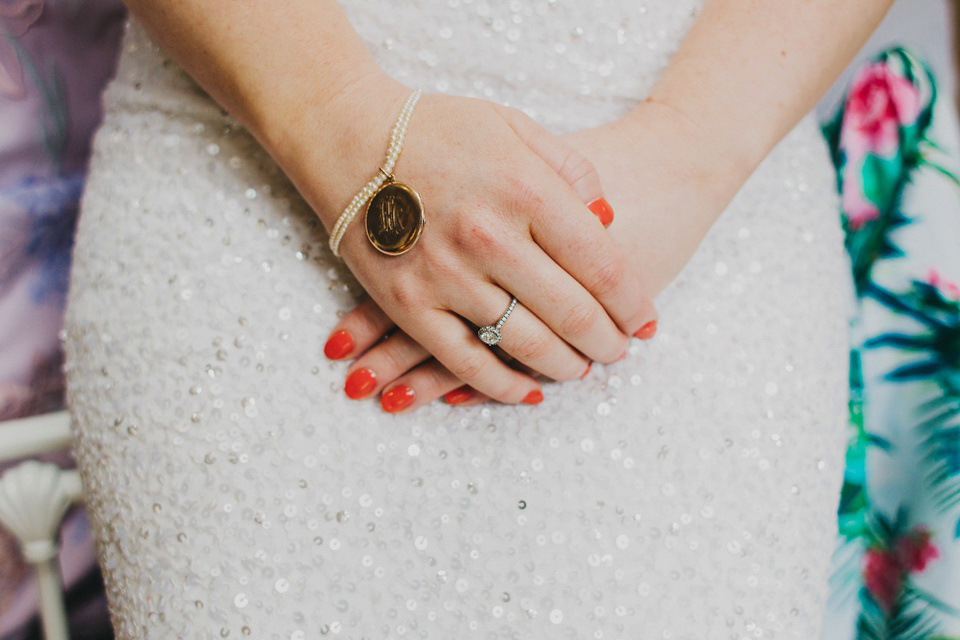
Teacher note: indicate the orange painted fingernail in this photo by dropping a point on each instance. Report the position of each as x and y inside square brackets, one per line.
[360, 383]
[602, 209]
[620, 358]
[458, 395]
[338, 345]
[646, 331]
[584, 374]
[534, 397]
[397, 399]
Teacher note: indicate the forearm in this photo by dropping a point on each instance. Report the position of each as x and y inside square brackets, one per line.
[750, 69]
[283, 68]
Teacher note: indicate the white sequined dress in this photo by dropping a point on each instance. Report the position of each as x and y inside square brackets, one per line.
[688, 491]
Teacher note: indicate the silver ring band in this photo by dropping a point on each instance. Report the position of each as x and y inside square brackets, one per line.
[490, 335]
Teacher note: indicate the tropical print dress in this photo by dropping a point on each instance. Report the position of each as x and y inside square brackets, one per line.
[897, 565]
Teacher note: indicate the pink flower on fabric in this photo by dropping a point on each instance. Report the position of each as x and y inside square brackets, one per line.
[883, 577]
[858, 210]
[16, 17]
[879, 103]
[948, 289]
[915, 551]
[885, 570]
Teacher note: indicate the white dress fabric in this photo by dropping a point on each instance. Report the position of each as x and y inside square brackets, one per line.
[688, 491]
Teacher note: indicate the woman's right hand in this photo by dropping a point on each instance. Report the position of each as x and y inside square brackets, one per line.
[504, 203]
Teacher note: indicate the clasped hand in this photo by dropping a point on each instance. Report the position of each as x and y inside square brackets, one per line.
[505, 201]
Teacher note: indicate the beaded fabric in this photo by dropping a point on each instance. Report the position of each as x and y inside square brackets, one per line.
[687, 491]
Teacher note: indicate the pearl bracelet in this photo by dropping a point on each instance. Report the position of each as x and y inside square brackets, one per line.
[383, 173]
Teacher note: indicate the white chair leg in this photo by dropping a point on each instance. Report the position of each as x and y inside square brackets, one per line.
[53, 614]
[34, 496]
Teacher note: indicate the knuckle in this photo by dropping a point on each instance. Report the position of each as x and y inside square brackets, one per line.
[576, 167]
[393, 358]
[406, 293]
[579, 320]
[468, 367]
[524, 195]
[431, 380]
[533, 347]
[473, 236]
[440, 265]
[609, 277]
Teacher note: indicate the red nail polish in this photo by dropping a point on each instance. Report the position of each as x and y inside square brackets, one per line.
[458, 395]
[646, 331]
[338, 345]
[360, 383]
[397, 399]
[602, 209]
[534, 397]
[584, 374]
[620, 358]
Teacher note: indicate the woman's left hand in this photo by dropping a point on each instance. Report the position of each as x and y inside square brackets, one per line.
[667, 186]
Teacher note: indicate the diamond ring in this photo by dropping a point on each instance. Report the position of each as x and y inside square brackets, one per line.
[490, 335]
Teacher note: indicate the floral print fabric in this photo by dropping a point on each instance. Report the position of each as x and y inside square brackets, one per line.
[897, 566]
[55, 58]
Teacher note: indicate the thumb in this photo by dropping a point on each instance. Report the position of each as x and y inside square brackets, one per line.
[573, 167]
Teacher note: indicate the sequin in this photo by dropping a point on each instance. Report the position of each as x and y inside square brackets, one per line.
[226, 473]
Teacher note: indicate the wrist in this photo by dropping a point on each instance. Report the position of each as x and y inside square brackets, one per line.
[330, 145]
[710, 165]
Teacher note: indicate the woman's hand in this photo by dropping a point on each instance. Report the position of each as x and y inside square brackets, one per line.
[504, 200]
[667, 188]
[297, 95]
[668, 181]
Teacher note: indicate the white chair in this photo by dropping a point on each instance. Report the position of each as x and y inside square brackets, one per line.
[34, 496]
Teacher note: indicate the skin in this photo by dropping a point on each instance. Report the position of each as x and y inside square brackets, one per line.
[659, 163]
[506, 196]
[745, 74]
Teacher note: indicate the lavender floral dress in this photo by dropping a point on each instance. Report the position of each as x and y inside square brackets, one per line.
[55, 57]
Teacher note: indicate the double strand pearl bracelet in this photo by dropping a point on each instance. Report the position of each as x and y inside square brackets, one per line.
[395, 213]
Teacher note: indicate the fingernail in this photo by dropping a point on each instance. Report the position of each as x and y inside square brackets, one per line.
[360, 383]
[534, 397]
[458, 395]
[602, 209]
[397, 399]
[646, 331]
[584, 374]
[620, 358]
[338, 345]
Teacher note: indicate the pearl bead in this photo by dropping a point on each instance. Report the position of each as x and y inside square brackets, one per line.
[393, 153]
